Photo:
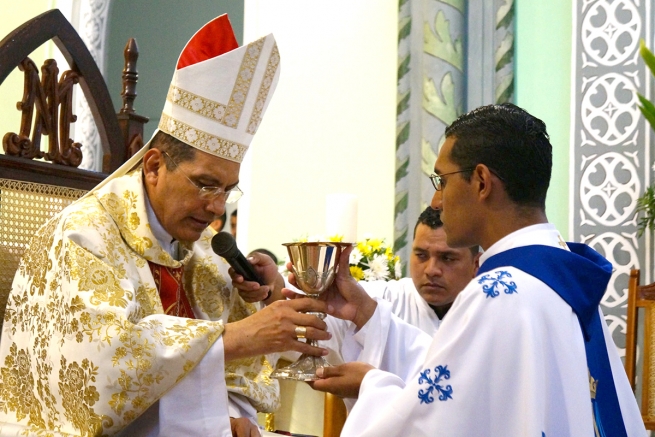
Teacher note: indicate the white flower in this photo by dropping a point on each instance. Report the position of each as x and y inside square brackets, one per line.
[246, 74]
[213, 144]
[377, 269]
[355, 256]
[398, 269]
[218, 112]
[238, 97]
[234, 150]
[196, 104]
[191, 135]
[315, 238]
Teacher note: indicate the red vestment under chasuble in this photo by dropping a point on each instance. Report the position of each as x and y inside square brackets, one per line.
[170, 285]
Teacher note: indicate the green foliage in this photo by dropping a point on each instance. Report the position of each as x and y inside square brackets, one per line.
[646, 206]
[646, 203]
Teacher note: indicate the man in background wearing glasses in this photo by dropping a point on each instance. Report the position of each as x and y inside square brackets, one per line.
[121, 318]
[524, 350]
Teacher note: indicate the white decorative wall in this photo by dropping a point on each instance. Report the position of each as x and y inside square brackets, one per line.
[611, 154]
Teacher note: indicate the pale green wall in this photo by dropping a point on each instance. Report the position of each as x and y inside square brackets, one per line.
[543, 86]
[161, 33]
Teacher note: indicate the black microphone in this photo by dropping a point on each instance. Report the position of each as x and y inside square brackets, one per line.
[224, 245]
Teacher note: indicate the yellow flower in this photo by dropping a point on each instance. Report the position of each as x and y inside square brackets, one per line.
[376, 244]
[335, 238]
[357, 272]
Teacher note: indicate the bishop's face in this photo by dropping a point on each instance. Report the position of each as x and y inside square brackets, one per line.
[175, 196]
[456, 200]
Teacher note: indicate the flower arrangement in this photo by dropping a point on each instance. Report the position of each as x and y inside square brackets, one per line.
[373, 260]
[370, 260]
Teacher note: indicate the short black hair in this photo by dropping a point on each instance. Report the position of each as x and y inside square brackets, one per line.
[432, 218]
[177, 150]
[429, 217]
[512, 143]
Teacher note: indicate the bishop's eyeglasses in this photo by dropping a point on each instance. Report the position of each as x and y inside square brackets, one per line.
[208, 192]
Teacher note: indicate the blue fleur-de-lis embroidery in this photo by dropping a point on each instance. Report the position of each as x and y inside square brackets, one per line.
[491, 285]
[445, 393]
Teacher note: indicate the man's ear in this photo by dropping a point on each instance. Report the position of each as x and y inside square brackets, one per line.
[476, 260]
[153, 161]
[482, 176]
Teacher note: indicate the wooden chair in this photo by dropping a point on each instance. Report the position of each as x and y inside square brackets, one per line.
[641, 296]
[33, 191]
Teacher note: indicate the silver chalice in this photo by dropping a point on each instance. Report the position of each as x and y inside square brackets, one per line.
[314, 264]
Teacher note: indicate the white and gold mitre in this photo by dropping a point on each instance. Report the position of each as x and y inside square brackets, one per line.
[220, 91]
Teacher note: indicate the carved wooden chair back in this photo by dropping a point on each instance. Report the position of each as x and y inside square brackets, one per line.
[641, 296]
[33, 191]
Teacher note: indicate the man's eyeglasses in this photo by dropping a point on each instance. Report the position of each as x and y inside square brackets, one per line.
[210, 193]
[437, 181]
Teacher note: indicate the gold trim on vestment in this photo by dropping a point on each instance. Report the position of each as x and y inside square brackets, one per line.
[202, 140]
[264, 89]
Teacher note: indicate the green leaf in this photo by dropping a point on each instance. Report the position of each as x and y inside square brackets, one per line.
[404, 28]
[401, 3]
[647, 56]
[506, 20]
[403, 68]
[403, 135]
[401, 171]
[505, 96]
[648, 109]
[401, 205]
[646, 208]
[506, 59]
[400, 242]
[403, 104]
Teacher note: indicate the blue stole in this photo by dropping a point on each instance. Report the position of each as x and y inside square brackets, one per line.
[579, 277]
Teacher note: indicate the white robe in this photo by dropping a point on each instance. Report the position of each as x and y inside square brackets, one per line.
[510, 366]
[405, 303]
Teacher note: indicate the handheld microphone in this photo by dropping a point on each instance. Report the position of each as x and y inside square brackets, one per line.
[223, 244]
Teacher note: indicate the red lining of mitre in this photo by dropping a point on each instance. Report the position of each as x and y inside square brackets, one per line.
[213, 39]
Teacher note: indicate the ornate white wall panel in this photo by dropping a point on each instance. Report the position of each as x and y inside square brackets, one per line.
[610, 142]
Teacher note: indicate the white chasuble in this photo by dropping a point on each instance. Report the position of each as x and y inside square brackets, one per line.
[86, 347]
[505, 364]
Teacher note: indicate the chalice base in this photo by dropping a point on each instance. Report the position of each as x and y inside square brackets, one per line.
[303, 369]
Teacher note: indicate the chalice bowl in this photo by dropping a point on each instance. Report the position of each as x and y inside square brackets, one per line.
[314, 264]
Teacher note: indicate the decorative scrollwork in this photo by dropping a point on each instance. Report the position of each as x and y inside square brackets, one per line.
[609, 109]
[609, 188]
[610, 31]
[622, 254]
[41, 105]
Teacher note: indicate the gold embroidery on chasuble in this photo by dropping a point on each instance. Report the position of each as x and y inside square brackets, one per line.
[86, 348]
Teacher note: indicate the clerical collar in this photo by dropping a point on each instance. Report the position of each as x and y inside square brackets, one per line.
[165, 240]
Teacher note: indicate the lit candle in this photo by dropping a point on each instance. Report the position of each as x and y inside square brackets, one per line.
[341, 216]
